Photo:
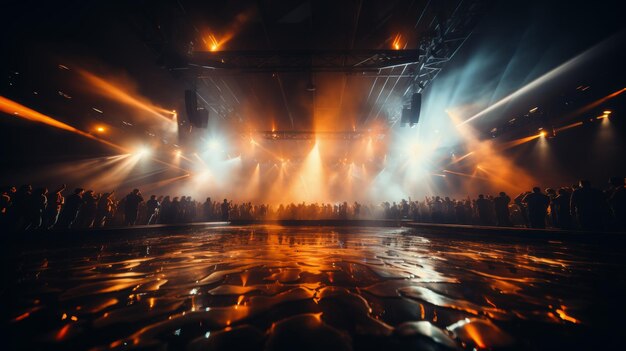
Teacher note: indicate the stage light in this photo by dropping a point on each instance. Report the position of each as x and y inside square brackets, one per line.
[607, 112]
[214, 144]
[543, 134]
[396, 42]
[143, 151]
[100, 129]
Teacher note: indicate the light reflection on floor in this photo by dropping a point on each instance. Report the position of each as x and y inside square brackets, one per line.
[318, 287]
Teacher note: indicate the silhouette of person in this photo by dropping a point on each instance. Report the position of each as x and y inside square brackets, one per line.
[562, 210]
[70, 210]
[36, 208]
[105, 209]
[617, 202]
[588, 205]
[90, 207]
[131, 206]
[5, 203]
[152, 207]
[225, 209]
[537, 208]
[483, 207]
[501, 206]
[207, 209]
[55, 203]
[553, 217]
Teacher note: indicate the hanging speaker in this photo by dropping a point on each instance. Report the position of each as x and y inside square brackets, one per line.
[416, 106]
[200, 119]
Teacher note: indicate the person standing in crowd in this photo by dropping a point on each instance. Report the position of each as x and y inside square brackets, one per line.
[55, 204]
[484, 210]
[131, 206]
[562, 210]
[551, 193]
[501, 206]
[537, 208]
[36, 209]
[105, 209]
[617, 202]
[71, 209]
[90, 208]
[152, 209]
[175, 210]
[225, 207]
[207, 209]
[588, 205]
[5, 203]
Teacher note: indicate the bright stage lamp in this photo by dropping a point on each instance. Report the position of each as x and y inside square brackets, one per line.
[214, 145]
[543, 134]
[144, 151]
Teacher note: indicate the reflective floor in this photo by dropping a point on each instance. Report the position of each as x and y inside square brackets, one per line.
[296, 288]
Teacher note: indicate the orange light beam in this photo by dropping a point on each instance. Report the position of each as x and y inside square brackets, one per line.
[514, 143]
[569, 126]
[396, 42]
[158, 184]
[465, 175]
[463, 157]
[595, 103]
[117, 93]
[13, 108]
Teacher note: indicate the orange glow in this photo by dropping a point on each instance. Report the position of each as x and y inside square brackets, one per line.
[100, 129]
[517, 142]
[474, 334]
[596, 104]
[213, 43]
[13, 108]
[566, 317]
[396, 42]
[543, 134]
[21, 316]
[63, 332]
[577, 124]
[463, 157]
[500, 169]
[121, 94]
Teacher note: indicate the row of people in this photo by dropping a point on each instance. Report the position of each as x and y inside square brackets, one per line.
[580, 206]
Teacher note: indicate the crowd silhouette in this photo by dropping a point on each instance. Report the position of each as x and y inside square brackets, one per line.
[580, 206]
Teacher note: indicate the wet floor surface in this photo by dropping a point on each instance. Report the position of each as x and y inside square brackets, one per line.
[297, 288]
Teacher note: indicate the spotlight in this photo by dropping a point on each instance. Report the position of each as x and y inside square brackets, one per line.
[144, 151]
[214, 144]
[607, 112]
[100, 129]
[543, 134]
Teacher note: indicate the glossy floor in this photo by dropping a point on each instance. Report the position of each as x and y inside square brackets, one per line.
[294, 288]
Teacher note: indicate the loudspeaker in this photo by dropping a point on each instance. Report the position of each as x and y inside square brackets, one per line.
[191, 102]
[416, 106]
[200, 119]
